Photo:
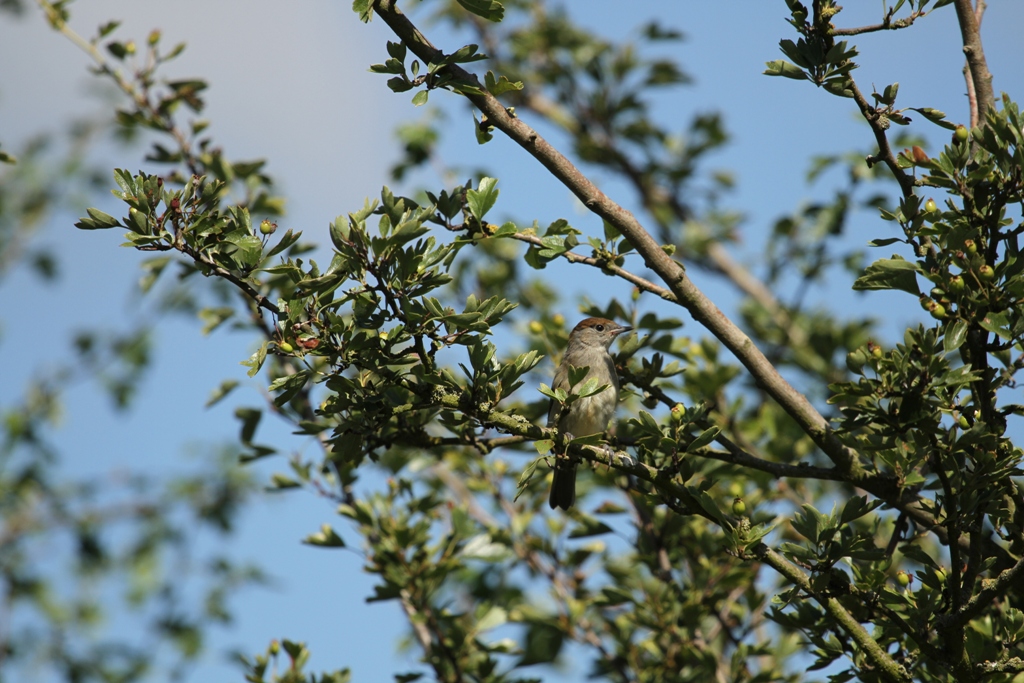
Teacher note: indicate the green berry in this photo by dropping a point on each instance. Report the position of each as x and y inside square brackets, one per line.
[960, 134]
[930, 206]
[903, 578]
[286, 347]
[940, 574]
[956, 284]
[970, 247]
[267, 227]
[986, 273]
[938, 311]
[738, 506]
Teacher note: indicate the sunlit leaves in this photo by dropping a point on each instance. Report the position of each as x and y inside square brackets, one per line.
[894, 273]
[491, 10]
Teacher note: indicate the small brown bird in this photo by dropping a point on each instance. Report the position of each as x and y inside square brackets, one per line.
[588, 347]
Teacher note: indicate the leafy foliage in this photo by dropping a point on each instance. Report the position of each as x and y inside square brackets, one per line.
[701, 551]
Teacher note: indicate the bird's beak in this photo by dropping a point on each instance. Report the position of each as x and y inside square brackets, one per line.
[623, 330]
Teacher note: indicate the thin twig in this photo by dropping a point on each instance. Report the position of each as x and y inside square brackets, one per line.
[573, 257]
[885, 154]
[887, 25]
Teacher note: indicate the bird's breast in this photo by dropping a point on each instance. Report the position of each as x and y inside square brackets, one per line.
[590, 415]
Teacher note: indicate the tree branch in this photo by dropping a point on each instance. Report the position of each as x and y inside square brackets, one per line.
[885, 154]
[970, 33]
[887, 25]
[208, 268]
[1011, 665]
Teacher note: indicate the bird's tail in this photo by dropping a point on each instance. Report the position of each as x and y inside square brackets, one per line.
[563, 484]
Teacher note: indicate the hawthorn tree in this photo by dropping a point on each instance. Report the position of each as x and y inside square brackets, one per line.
[783, 491]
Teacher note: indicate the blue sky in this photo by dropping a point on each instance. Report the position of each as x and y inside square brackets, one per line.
[289, 83]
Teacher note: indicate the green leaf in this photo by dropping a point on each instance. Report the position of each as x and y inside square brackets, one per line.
[327, 537]
[249, 249]
[399, 84]
[857, 507]
[998, 324]
[420, 98]
[543, 446]
[397, 50]
[527, 475]
[577, 375]
[364, 8]
[888, 95]
[255, 361]
[935, 116]
[707, 504]
[151, 270]
[588, 526]
[894, 273]
[255, 452]
[117, 49]
[482, 131]
[495, 617]
[280, 482]
[543, 643]
[289, 386]
[97, 220]
[591, 387]
[705, 437]
[501, 85]
[491, 10]
[918, 555]
[506, 230]
[780, 67]
[215, 317]
[290, 238]
[483, 198]
[955, 336]
[250, 418]
[225, 388]
[466, 53]
[481, 547]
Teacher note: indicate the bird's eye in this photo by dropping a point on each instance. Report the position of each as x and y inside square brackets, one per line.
[599, 328]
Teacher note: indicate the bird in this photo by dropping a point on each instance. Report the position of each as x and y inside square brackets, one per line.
[588, 347]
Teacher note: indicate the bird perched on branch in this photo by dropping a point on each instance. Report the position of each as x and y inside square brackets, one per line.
[588, 347]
